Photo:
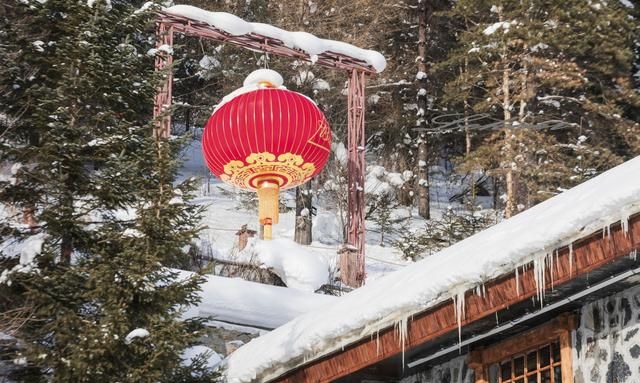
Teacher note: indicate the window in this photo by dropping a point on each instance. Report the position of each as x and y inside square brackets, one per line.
[540, 355]
[540, 365]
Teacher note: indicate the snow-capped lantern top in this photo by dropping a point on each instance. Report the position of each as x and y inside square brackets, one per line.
[265, 78]
[263, 137]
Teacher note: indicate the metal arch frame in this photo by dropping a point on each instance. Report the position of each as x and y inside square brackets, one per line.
[168, 24]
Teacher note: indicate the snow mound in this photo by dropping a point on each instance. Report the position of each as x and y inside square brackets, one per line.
[303, 41]
[527, 237]
[234, 300]
[297, 266]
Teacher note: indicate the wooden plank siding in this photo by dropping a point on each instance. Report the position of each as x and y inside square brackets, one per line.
[589, 253]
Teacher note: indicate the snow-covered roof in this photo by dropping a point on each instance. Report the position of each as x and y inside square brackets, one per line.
[234, 300]
[530, 236]
[302, 41]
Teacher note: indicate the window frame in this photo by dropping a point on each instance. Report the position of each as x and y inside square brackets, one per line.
[558, 329]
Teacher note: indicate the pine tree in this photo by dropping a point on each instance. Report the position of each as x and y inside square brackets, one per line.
[77, 87]
[525, 63]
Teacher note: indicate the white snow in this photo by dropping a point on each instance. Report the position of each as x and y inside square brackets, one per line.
[137, 333]
[491, 29]
[26, 250]
[38, 45]
[297, 266]
[321, 84]
[107, 4]
[340, 153]
[258, 79]
[240, 302]
[208, 62]
[327, 229]
[389, 300]
[199, 351]
[376, 181]
[263, 76]
[627, 3]
[304, 41]
[539, 47]
[303, 77]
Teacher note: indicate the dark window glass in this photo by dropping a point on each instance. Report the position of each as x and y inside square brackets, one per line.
[532, 378]
[546, 376]
[532, 361]
[544, 356]
[493, 373]
[518, 366]
[505, 370]
[557, 374]
[555, 351]
[521, 380]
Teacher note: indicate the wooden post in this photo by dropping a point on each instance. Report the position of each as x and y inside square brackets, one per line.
[347, 267]
[356, 167]
[243, 236]
[475, 363]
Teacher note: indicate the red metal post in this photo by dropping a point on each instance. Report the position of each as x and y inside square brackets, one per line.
[164, 59]
[356, 165]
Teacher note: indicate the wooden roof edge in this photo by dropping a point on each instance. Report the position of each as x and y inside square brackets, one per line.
[589, 253]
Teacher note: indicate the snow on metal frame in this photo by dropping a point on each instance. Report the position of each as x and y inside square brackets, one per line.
[326, 52]
[529, 236]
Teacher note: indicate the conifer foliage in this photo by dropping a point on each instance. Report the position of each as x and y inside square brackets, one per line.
[96, 211]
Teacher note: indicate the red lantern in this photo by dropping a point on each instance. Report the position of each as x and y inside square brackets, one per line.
[266, 139]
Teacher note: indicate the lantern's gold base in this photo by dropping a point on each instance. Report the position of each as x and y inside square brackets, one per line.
[289, 169]
[268, 209]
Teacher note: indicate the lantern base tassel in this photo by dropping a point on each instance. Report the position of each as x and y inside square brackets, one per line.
[268, 199]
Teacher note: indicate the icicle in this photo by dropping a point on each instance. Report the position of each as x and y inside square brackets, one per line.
[403, 333]
[633, 254]
[378, 342]
[570, 258]
[552, 261]
[484, 290]
[497, 320]
[539, 275]
[459, 311]
[517, 282]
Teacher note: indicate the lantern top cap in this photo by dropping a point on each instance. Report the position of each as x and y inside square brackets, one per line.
[258, 79]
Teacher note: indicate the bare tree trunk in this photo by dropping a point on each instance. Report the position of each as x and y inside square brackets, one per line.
[510, 177]
[423, 178]
[303, 230]
[404, 194]
[467, 132]
[424, 13]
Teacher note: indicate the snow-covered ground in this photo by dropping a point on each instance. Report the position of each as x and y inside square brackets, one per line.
[227, 211]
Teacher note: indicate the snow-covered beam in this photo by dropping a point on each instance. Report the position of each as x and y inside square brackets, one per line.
[261, 37]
